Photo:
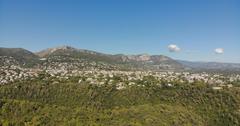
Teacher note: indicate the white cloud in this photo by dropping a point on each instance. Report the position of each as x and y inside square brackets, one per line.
[173, 48]
[219, 50]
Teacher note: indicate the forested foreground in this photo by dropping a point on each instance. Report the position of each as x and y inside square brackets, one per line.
[41, 102]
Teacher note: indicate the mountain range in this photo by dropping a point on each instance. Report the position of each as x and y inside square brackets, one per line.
[137, 62]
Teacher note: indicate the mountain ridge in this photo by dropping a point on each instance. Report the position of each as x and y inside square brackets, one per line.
[137, 61]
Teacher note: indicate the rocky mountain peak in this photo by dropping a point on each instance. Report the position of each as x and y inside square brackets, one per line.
[49, 51]
[65, 47]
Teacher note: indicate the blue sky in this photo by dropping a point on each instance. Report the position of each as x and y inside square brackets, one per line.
[197, 27]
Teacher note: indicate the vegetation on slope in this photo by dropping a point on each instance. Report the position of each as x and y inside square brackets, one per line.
[44, 102]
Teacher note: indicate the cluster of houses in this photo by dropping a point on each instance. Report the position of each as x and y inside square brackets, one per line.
[67, 63]
[13, 73]
[97, 73]
[122, 78]
[128, 78]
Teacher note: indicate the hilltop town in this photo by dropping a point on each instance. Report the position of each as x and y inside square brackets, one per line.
[100, 72]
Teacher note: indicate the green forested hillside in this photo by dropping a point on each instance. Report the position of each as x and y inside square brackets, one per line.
[45, 102]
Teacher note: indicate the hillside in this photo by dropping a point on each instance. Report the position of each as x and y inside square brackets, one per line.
[81, 58]
[69, 86]
[143, 61]
[211, 66]
[22, 56]
[43, 101]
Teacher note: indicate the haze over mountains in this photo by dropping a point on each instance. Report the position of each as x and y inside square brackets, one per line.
[119, 61]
